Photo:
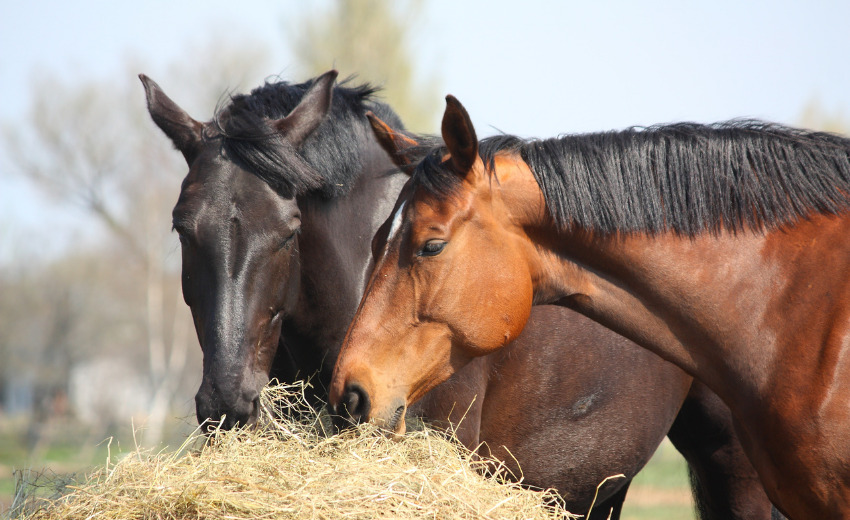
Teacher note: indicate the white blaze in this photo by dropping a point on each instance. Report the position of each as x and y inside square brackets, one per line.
[396, 225]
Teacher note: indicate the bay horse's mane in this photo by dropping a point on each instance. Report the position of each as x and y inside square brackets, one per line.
[329, 159]
[684, 177]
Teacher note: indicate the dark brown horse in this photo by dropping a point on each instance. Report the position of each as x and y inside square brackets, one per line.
[724, 249]
[285, 189]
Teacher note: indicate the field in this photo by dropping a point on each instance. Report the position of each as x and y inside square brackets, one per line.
[67, 449]
[661, 491]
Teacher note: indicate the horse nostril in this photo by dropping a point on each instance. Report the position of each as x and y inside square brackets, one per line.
[355, 403]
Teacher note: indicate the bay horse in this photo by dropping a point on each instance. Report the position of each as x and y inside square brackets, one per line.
[286, 187]
[722, 248]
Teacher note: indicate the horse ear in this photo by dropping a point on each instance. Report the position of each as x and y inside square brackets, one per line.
[459, 135]
[183, 131]
[311, 110]
[394, 143]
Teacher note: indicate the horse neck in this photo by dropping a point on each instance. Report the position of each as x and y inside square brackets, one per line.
[651, 289]
[723, 307]
[335, 249]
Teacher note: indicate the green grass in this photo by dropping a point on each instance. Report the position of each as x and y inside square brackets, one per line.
[667, 470]
[658, 512]
[64, 456]
[7, 489]
[70, 449]
[662, 490]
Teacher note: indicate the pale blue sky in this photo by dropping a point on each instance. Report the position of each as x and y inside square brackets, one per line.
[528, 67]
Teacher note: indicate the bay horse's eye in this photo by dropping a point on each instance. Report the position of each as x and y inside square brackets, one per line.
[432, 248]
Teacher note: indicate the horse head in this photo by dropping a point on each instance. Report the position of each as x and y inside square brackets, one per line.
[239, 242]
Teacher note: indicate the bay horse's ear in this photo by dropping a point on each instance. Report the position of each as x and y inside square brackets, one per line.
[310, 112]
[183, 131]
[459, 135]
[393, 142]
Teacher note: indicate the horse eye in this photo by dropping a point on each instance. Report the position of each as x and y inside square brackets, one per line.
[432, 248]
[287, 243]
[182, 236]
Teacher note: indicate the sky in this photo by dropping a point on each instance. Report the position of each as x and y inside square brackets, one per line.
[532, 68]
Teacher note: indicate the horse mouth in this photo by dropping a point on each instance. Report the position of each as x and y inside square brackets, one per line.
[211, 426]
[396, 423]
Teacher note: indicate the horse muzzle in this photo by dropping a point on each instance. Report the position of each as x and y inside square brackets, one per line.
[355, 407]
[226, 410]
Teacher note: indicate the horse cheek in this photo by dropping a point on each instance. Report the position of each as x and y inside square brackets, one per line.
[508, 299]
[518, 309]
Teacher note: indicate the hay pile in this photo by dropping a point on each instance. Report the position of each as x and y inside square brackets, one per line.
[288, 469]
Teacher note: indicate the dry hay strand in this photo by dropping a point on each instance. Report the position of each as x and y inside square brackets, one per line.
[288, 468]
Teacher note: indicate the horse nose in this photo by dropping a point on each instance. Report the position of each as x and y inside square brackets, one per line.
[355, 404]
[227, 411]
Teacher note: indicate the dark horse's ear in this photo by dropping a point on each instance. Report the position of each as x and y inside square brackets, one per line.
[183, 131]
[311, 110]
[393, 142]
[459, 135]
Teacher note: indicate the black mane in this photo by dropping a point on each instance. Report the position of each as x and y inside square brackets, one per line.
[329, 159]
[685, 177]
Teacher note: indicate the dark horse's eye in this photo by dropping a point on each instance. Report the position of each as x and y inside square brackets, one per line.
[432, 248]
[181, 235]
[287, 243]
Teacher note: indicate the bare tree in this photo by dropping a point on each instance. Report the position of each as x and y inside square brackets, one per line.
[92, 145]
[53, 316]
[371, 39]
